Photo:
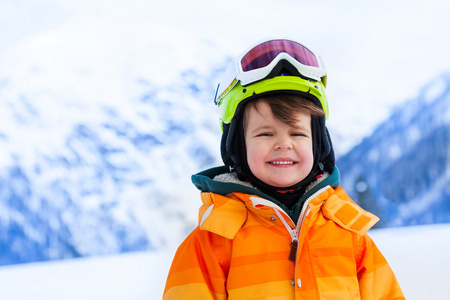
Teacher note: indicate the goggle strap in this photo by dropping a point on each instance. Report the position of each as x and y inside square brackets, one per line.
[229, 88]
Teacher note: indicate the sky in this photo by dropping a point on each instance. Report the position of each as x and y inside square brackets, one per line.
[378, 54]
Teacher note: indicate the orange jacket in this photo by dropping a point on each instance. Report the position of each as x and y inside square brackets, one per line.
[247, 247]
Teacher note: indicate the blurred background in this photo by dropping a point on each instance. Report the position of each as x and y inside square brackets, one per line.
[106, 110]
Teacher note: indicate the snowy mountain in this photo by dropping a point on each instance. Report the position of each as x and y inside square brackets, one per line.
[106, 111]
[402, 170]
[81, 178]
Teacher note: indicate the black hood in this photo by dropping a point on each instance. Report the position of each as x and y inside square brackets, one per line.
[234, 156]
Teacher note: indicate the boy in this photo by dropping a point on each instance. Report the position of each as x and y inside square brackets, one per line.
[275, 224]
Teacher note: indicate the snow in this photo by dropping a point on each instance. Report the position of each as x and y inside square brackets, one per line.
[417, 254]
[89, 62]
[139, 275]
[419, 257]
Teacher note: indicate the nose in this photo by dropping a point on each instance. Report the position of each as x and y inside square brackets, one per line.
[283, 143]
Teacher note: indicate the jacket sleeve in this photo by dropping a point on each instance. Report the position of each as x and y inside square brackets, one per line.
[200, 268]
[376, 278]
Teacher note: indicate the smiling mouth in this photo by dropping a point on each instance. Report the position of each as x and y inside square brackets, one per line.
[282, 162]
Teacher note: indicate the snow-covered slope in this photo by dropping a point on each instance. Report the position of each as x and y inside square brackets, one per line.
[402, 171]
[417, 254]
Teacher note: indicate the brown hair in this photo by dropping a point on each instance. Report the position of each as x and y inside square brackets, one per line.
[284, 106]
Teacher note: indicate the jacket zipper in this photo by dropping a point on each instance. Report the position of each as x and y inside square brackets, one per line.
[295, 232]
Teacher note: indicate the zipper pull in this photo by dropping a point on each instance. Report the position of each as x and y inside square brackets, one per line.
[293, 253]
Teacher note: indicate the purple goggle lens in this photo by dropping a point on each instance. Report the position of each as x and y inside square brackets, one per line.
[263, 54]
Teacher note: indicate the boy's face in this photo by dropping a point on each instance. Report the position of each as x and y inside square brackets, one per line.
[278, 154]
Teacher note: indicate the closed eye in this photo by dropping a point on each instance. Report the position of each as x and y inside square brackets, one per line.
[264, 134]
[299, 134]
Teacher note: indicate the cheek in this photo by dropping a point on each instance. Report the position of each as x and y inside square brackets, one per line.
[255, 156]
[308, 155]
[305, 151]
[252, 154]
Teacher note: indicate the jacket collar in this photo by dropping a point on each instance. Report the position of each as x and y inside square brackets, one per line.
[220, 181]
[225, 215]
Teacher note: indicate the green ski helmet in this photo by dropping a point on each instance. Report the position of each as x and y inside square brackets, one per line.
[271, 67]
[284, 84]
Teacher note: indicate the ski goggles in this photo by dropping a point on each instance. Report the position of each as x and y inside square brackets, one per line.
[262, 60]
